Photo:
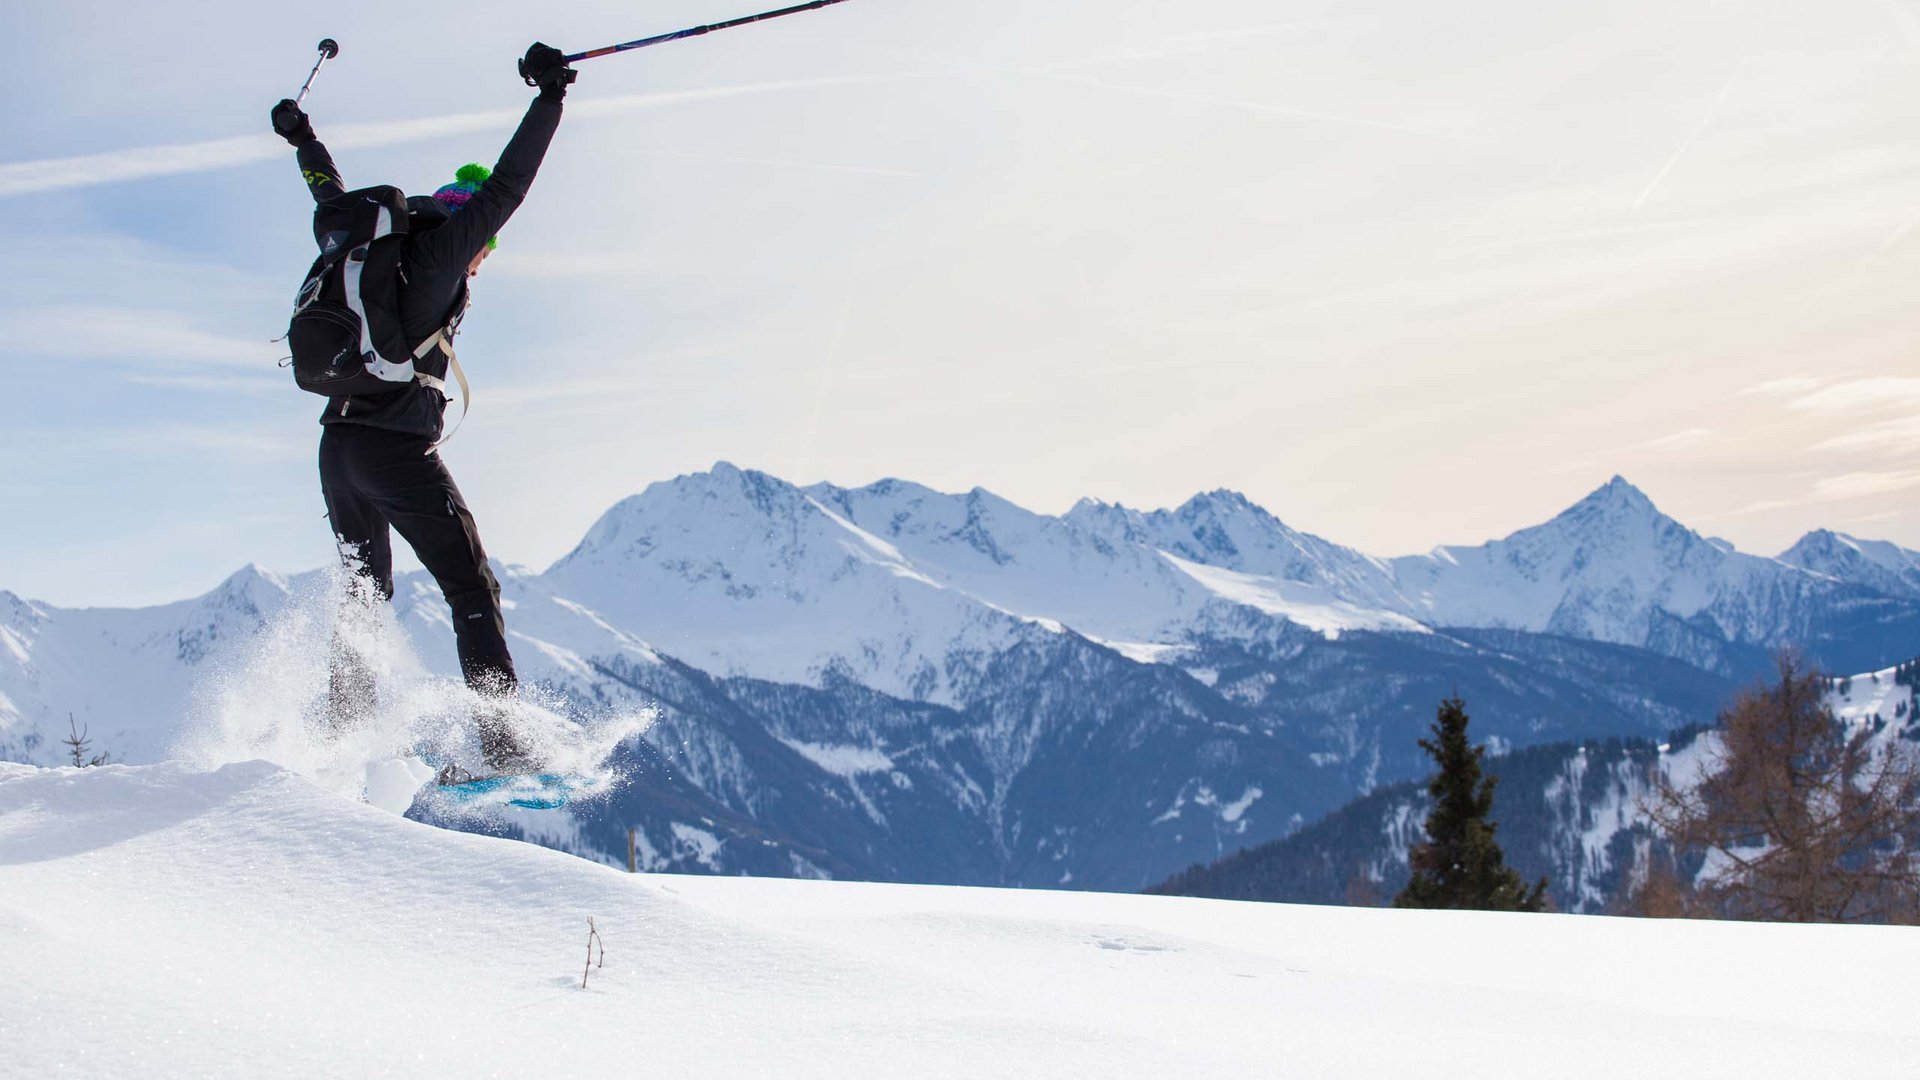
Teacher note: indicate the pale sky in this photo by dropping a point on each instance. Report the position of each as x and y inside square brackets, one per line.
[1404, 273]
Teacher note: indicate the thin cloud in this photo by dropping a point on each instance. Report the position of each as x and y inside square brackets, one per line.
[145, 334]
[139, 163]
[1792, 384]
[1183, 45]
[1856, 395]
[1243, 105]
[1898, 436]
[1862, 484]
[1760, 507]
[1844, 488]
[594, 266]
[256, 444]
[1687, 436]
[245, 386]
[783, 163]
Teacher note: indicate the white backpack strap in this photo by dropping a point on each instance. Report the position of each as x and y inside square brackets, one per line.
[466, 394]
[438, 339]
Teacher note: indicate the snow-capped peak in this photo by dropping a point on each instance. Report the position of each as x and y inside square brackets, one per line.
[737, 571]
[18, 612]
[1613, 567]
[252, 590]
[1619, 493]
[1597, 569]
[1614, 513]
[725, 492]
[1225, 529]
[1875, 564]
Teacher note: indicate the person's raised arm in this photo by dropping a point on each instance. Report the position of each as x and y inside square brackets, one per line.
[316, 165]
[459, 240]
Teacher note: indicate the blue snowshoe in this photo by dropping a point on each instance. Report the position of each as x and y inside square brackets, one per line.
[533, 791]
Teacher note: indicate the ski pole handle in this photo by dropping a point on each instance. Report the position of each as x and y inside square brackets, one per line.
[329, 49]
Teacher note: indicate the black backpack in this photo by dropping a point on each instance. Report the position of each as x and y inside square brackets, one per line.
[345, 334]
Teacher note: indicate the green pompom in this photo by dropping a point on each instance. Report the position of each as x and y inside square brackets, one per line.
[473, 173]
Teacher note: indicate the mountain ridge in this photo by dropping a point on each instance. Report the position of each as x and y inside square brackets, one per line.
[1611, 567]
[1043, 699]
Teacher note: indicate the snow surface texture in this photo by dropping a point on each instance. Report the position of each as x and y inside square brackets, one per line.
[162, 922]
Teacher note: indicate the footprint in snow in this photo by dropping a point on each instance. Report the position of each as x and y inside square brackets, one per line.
[1123, 945]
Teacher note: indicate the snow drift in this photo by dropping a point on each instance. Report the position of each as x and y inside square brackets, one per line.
[160, 921]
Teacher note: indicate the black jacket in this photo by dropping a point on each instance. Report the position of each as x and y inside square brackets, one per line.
[433, 265]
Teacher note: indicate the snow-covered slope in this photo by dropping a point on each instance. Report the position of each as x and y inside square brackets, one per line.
[740, 573]
[1599, 569]
[555, 640]
[1226, 530]
[1888, 568]
[1030, 564]
[135, 680]
[1246, 556]
[160, 922]
[123, 675]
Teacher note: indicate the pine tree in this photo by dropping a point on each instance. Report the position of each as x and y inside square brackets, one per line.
[1461, 865]
[78, 747]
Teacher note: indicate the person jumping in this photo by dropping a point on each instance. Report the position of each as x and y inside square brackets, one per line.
[379, 462]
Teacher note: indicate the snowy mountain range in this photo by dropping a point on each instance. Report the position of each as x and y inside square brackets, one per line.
[894, 682]
[741, 573]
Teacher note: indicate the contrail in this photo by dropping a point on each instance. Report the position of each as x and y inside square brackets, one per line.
[1893, 238]
[1697, 129]
[139, 163]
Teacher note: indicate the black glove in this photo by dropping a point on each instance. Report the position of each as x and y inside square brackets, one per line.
[291, 124]
[546, 67]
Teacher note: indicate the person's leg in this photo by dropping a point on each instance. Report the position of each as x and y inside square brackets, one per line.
[418, 496]
[365, 548]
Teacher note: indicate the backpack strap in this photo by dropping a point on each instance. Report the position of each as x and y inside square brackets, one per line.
[466, 398]
[444, 340]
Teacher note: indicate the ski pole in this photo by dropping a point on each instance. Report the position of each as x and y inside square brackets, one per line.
[696, 31]
[329, 49]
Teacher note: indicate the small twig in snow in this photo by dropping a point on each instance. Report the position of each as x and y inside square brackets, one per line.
[593, 938]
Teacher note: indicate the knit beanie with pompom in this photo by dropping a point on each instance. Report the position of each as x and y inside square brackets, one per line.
[466, 182]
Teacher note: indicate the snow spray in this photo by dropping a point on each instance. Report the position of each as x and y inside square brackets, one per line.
[267, 700]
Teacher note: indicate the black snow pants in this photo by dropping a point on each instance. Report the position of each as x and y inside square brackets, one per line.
[374, 479]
